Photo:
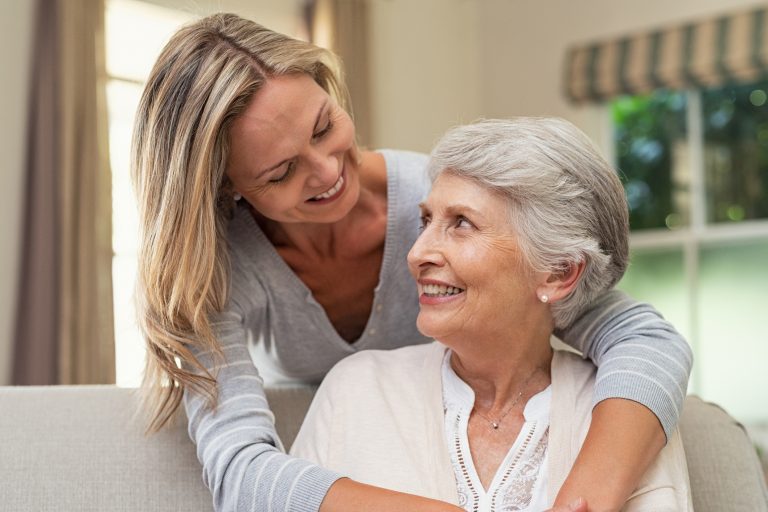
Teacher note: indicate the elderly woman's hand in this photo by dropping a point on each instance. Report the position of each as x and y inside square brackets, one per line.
[579, 505]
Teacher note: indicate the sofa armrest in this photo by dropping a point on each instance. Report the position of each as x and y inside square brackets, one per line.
[723, 466]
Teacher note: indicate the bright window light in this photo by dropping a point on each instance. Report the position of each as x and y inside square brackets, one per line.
[130, 56]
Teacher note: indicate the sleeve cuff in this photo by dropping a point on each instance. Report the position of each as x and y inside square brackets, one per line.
[639, 388]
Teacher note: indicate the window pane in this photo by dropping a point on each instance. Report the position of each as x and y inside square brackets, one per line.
[732, 355]
[131, 53]
[652, 156]
[122, 100]
[657, 276]
[129, 342]
[735, 122]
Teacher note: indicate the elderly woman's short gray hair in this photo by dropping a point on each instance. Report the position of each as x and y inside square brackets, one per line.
[566, 203]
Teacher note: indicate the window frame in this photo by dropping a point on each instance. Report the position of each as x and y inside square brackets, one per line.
[698, 234]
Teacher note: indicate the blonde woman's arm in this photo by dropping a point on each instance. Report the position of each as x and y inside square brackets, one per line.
[244, 464]
[643, 369]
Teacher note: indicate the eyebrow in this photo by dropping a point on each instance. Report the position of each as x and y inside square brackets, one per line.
[453, 209]
[314, 129]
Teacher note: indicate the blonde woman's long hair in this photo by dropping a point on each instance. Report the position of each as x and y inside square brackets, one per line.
[202, 80]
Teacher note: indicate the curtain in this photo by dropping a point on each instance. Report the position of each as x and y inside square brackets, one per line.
[64, 327]
[707, 53]
[342, 26]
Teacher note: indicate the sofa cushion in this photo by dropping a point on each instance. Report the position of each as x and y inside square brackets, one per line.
[82, 448]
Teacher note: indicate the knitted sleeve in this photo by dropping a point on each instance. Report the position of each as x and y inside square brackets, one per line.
[244, 464]
[639, 355]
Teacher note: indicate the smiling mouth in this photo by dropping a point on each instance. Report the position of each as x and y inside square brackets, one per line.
[331, 191]
[437, 290]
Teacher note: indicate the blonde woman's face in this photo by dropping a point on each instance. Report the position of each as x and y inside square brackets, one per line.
[291, 153]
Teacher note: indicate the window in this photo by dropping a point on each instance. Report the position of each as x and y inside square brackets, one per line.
[130, 56]
[695, 170]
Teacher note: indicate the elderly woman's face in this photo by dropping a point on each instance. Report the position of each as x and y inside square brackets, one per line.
[471, 276]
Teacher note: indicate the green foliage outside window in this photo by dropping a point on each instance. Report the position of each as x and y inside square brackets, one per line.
[647, 131]
[735, 122]
[653, 155]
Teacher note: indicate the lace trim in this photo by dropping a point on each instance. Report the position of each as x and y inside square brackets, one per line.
[513, 491]
[516, 489]
[469, 499]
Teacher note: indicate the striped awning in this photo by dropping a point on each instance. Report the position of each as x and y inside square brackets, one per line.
[727, 49]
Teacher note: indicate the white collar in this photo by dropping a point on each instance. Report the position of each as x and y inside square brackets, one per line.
[457, 394]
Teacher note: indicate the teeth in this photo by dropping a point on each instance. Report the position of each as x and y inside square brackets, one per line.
[332, 191]
[440, 290]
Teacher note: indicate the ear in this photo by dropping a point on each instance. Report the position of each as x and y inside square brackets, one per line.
[557, 286]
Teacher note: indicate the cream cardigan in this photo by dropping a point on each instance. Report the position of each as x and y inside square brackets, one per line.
[378, 418]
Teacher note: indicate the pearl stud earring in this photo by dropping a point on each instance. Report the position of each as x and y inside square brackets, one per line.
[544, 299]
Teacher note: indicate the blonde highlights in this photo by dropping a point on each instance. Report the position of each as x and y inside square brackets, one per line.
[202, 80]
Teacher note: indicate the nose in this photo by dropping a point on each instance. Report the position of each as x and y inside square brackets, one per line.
[426, 252]
[326, 168]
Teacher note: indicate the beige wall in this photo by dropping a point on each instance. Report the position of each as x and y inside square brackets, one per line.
[16, 20]
[425, 70]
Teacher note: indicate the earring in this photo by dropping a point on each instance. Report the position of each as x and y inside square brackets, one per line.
[236, 196]
[544, 298]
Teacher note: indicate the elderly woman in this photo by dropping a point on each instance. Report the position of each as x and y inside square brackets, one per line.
[524, 227]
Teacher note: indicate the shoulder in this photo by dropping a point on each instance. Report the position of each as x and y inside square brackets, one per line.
[249, 258]
[573, 380]
[566, 361]
[377, 366]
[408, 182]
[407, 162]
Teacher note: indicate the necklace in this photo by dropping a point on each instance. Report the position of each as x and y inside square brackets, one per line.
[496, 423]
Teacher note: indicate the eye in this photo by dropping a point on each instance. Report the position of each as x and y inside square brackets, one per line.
[324, 131]
[424, 222]
[463, 222]
[287, 174]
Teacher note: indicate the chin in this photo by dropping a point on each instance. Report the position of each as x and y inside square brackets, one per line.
[429, 327]
[349, 201]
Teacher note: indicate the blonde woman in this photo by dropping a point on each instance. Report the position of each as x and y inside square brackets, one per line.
[272, 248]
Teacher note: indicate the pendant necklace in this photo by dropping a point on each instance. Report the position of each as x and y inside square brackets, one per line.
[497, 422]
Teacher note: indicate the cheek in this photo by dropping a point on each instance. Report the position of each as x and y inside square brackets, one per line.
[277, 200]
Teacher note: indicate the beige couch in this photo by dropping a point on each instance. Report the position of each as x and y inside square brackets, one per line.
[81, 449]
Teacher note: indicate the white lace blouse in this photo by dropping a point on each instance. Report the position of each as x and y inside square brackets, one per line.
[520, 482]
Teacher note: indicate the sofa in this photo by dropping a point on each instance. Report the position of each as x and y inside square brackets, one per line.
[82, 448]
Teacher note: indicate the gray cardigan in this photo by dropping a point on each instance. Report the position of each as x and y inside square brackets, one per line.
[273, 331]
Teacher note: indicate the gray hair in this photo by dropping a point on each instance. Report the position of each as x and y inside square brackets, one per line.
[566, 202]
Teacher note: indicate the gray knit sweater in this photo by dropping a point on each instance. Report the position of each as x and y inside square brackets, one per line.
[273, 331]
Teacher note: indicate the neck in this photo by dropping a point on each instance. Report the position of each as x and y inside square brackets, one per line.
[512, 370]
[306, 237]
